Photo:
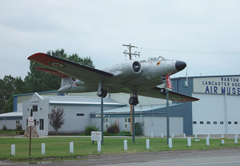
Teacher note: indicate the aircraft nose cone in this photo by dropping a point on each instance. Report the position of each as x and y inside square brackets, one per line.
[180, 65]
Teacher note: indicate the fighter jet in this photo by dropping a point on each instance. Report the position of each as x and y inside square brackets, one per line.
[134, 77]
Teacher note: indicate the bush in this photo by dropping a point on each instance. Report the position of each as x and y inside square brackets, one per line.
[4, 128]
[18, 127]
[113, 128]
[124, 133]
[90, 128]
[105, 133]
[138, 129]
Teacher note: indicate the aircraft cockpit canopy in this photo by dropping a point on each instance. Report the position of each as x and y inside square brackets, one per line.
[160, 58]
[153, 59]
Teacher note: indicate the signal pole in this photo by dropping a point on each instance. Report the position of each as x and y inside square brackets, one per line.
[131, 106]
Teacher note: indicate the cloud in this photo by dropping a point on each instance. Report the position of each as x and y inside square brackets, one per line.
[192, 31]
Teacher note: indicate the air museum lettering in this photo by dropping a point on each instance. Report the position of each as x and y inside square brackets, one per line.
[217, 85]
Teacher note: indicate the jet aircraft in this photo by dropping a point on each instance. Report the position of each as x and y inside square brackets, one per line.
[134, 77]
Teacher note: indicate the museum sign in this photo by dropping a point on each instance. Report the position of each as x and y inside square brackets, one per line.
[217, 85]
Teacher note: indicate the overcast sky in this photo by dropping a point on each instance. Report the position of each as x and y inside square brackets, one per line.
[203, 33]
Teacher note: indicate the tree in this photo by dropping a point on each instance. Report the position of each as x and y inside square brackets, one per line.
[37, 81]
[56, 118]
[8, 87]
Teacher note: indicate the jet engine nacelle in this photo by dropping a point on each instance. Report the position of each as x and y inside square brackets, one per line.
[136, 66]
[127, 68]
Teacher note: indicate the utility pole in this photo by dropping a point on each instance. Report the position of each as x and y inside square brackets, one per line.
[130, 58]
[130, 51]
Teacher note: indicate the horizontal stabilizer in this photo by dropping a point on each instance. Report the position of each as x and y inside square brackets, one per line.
[49, 71]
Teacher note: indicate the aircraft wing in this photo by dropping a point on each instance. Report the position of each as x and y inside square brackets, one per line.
[81, 72]
[53, 72]
[174, 96]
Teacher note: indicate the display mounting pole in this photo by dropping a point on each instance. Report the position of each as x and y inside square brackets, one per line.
[133, 123]
[30, 141]
[102, 117]
[167, 111]
[30, 134]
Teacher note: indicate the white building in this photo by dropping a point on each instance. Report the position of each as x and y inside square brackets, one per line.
[77, 112]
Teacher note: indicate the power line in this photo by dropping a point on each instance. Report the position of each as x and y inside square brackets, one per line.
[213, 67]
[187, 51]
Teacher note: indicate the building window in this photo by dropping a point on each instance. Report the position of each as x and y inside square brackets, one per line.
[194, 122]
[208, 122]
[17, 122]
[235, 122]
[35, 108]
[201, 122]
[105, 122]
[41, 127]
[126, 120]
[229, 122]
[214, 122]
[221, 122]
[80, 114]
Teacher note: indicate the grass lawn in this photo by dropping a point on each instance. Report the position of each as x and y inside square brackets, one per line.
[58, 147]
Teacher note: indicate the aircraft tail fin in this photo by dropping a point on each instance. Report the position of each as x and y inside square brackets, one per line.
[66, 81]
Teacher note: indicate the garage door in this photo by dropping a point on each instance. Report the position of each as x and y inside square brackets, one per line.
[216, 114]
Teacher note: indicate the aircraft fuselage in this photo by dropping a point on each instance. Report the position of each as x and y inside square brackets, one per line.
[132, 75]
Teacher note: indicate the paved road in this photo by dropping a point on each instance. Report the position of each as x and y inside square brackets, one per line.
[197, 159]
[229, 157]
[221, 157]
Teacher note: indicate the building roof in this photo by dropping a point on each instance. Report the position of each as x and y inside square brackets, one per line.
[28, 94]
[138, 108]
[81, 100]
[11, 114]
